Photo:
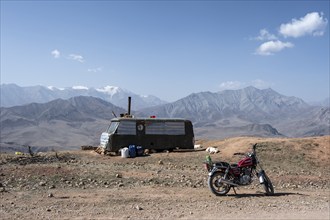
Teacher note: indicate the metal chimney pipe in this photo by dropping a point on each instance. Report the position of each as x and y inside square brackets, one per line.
[129, 105]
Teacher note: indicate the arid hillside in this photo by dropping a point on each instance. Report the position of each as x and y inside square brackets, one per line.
[168, 185]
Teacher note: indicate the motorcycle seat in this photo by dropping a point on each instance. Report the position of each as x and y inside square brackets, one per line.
[220, 164]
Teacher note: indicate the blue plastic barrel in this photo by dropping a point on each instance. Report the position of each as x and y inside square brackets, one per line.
[132, 151]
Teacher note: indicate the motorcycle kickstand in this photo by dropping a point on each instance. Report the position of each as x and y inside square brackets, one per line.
[234, 190]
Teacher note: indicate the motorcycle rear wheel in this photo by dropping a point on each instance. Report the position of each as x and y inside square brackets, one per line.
[216, 187]
[268, 186]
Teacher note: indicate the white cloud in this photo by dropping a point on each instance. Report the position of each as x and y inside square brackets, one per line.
[312, 24]
[76, 57]
[95, 70]
[233, 85]
[56, 53]
[265, 35]
[271, 47]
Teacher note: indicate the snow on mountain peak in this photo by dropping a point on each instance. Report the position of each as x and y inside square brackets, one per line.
[111, 90]
[53, 88]
[80, 87]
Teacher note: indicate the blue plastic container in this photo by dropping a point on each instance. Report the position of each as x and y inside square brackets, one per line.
[132, 151]
[139, 151]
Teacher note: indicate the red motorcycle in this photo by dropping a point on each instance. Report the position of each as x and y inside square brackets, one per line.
[224, 176]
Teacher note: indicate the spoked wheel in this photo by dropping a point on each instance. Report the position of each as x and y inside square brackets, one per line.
[216, 186]
[268, 186]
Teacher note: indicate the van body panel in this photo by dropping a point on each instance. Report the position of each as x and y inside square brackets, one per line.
[150, 133]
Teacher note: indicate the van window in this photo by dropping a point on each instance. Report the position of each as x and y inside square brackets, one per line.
[175, 128]
[127, 127]
[155, 127]
[167, 128]
[112, 127]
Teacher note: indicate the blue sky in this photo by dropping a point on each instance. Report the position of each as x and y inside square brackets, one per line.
[169, 49]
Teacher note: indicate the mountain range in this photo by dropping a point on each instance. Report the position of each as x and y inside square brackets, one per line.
[59, 123]
[226, 113]
[80, 120]
[14, 95]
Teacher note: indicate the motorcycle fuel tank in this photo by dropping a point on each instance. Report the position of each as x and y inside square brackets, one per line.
[245, 162]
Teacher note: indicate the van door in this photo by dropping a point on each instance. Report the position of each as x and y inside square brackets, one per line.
[140, 128]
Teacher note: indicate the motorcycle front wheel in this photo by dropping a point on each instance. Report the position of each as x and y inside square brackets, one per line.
[216, 186]
[268, 186]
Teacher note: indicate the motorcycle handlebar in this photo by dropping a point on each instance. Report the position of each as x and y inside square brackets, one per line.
[239, 154]
[253, 150]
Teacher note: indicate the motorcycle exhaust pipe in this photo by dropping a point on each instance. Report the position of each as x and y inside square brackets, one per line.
[228, 182]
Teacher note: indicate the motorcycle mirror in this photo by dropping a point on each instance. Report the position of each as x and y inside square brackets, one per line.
[254, 147]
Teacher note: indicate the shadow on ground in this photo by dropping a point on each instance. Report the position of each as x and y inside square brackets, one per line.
[261, 194]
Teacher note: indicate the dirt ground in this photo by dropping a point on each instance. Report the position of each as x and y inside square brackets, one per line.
[167, 185]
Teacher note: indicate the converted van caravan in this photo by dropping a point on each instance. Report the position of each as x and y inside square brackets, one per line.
[150, 133]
